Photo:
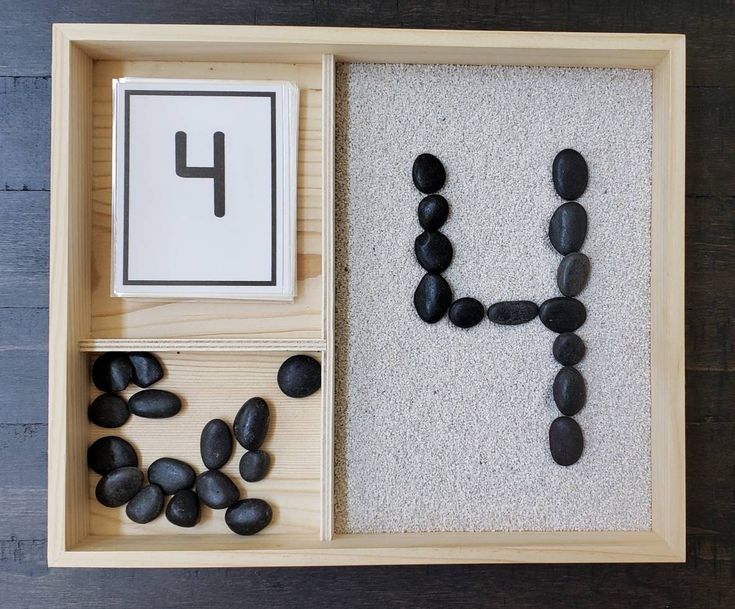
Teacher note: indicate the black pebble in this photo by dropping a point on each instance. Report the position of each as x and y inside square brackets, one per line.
[568, 228]
[248, 516]
[432, 297]
[171, 475]
[110, 453]
[215, 444]
[565, 441]
[147, 504]
[300, 376]
[108, 410]
[512, 312]
[562, 314]
[183, 509]
[216, 490]
[251, 423]
[146, 369]
[570, 392]
[433, 212]
[573, 273]
[428, 173]
[433, 251]
[568, 349]
[570, 174]
[254, 465]
[466, 312]
[112, 371]
[119, 486]
[154, 404]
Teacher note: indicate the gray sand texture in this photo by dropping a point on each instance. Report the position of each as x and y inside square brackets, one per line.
[443, 429]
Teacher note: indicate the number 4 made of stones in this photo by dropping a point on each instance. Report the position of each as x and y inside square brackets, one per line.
[563, 314]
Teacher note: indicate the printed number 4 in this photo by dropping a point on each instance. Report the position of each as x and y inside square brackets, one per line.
[216, 172]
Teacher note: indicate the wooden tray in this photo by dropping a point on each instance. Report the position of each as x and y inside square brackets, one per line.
[218, 353]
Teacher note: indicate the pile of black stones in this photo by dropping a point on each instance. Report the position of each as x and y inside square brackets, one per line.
[562, 314]
[116, 461]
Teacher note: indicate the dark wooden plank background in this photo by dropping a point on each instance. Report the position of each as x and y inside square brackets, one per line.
[705, 581]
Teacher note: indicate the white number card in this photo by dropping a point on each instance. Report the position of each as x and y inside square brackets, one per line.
[204, 189]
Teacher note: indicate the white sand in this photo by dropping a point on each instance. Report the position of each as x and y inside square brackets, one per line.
[442, 429]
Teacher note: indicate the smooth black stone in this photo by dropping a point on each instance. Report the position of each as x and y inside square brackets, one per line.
[254, 465]
[119, 486]
[146, 369]
[171, 475]
[512, 312]
[433, 251]
[147, 504]
[110, 453]
[216, 490]
[570, 174]
[568, 349]
[568, 228]
[432, 297]
[433, 212]
[300, 376]
[248, 516]
[108, 410]
[562, 314]
[466, 312]
[573, 273]
[112, 371]
[215, 444]
[251, 423]
[154, 404]
[570, 392]
[565, 441]
[183, 509]
[428, 173]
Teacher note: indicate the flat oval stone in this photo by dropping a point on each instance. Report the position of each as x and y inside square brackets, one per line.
[216, 490]
[512, 312]
[108, 410]
[466, 312]
[248, 516]
[171, 475]
[154, 404]
[147, 504]
[573, 273]
[433, 212]
[432, 297]
[112, 371]
[215, 444]
[110, 453]
[568, 349]
[570, 392]
[566, 441]
[433, 251]
[570, 174]
[251, 423]
[562, 314]
[146, 369]
[254, 465]
[119, 486]
[183, 509]
[428, 173]
[568, 228]
[300, 376]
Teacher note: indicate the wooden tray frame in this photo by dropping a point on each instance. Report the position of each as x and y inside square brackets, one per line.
[83, 319]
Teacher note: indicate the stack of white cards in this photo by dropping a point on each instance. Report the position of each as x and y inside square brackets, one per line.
[204, 189]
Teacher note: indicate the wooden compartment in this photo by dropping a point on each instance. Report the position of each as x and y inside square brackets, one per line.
[219, 353]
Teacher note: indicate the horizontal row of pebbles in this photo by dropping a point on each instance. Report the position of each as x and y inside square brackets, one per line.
[434, 252]
[122, 482]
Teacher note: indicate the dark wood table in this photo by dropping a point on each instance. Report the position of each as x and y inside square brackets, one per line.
[707, 578]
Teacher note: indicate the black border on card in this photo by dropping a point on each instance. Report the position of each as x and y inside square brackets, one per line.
[272, 95]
